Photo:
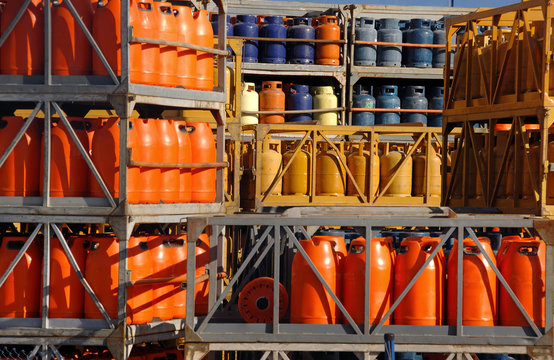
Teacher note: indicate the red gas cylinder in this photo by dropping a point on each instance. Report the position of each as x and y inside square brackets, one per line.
[23, 51]
[272, 98]
[413, 310]
[310, 302]
[168, 153]
[203, 150]
[167, 30]
[184, 156]
[20, 293]
[69, 173]
[19, 176]
[479, 285]
[203, 36]
[139, 297]
[522, 264]
[71, 51]
[186, 58]
[66, 292]
[201, 290]
[380, 293]
[163, 265]
[327, 29]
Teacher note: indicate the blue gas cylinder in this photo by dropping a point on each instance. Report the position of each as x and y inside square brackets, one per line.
[362, 99]
[299, 98]
[301, 53]
[389, 32]
[439, 37]
[414, 98]
[214, 20]
[273, 52]
[246, 26]
[420, 33]
[387, 98]
[365, 54]
[404, 26]
[435, 98]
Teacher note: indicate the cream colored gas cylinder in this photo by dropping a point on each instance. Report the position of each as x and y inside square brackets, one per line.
[296, 180]
[324, 98]
[420, 177]
[358, 164]
[271, 165]
[249, 101]
[402, 183]
[330, 173]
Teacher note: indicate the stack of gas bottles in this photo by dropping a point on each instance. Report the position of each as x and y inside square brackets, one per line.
[150, 257]
[156, 141]
[72, 54]
[396, 32]
[277, 96]
[324, 27]
[432, 298]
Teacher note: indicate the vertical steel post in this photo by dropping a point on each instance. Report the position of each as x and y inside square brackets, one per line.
[367, 282]
[48, 43]
[276, 276]
[47, 155]
[460, 279]
[45, 276]
[389, 346]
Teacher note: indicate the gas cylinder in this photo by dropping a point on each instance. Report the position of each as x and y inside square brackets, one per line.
[272, 98]
[296, 180]
[145, 21]
[71, 50]
[201, 291]
[327, 29]
[203, 36]
[362, 99]
[273, 52]
[298, 98]
[336, 236]
[389, 32]
[479, 286]
[246, 27]
[330, 173]
[186, 58]
[203, 149]
[310, 303]
[163, 264]
[404, 26]
[249, 101]
[420, 33]
[439, 38]
[401, 186]
[139, 297]
[214, 20]
[167, 30]
[381, 280]
[387, 98]
[20, 171]
[365, 54]
[301, 53]
[411, 255]
[324, 98]
[359, 165]
[414, 98]
[271, 165]
[184, 156]
[17, 298]
[420, 170]
[435, 102]
[23, 51]
[168, 146]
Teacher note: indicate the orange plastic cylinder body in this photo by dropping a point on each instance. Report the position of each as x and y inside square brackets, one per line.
[522, 264]
[19, 175]
[20, 293]
[310, 302]
[203, 36]
[95, 124]
[327, 29]
[184, 156]
[203, 150]
[201, 290]
[479, 285]
[71, 51]
[139, 297]
[69, 173]
[167, 30]
[272, 98]
[23, 51]
[186, 58]
[381, 284]
[423, 304]
[168, 153]
[163, 264]
[66, 292]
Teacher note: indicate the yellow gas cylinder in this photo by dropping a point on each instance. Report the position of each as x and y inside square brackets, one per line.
[420, 178]
[249, 101]
[402, 184]
[296, 180]
[358, 164]
[330, 173]
[324, 98]
[271, 164]
[550, 175]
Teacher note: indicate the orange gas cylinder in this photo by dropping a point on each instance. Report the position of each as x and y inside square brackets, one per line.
[66, 292]
[23, 51]
[169, 153]
[69, 173]
[423, 304]
[19, 175]
[310, 302]
[272, 98]
[203, 150]
[522, 264]
[186, 58]
[184, 156]
[146, 138]
[256, 301]
[479, 285]
[201, 289]
[71, 51]
[145, 21]
[327, 29]
[163, 264]
[95, 124]
[203, 36]
[139, 297]
[17, 297]
[380, 294]
[167, 30]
